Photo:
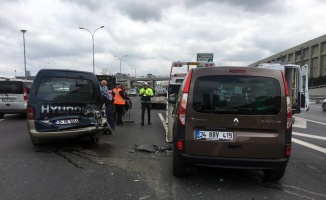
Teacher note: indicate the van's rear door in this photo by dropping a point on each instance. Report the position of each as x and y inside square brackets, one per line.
[56, 116]
[305, 92]
[65, 103]
[238, 113]
[12, 95]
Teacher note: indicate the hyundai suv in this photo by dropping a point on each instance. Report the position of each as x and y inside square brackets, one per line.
[65, 104]
[232, 117]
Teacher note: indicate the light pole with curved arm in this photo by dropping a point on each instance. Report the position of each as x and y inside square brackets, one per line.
[120, 58]
[93, 43]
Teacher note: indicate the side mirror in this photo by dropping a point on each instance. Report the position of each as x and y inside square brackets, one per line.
[172, 98]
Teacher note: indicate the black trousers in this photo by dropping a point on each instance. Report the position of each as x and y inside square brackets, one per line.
[120, 111]
[109, 115]
[146, 105]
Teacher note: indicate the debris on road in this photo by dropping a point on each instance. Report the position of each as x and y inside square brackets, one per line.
[151, 148]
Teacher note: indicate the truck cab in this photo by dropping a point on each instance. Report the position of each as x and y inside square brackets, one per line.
[297, 80]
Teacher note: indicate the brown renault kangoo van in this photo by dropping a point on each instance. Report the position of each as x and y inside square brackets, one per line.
[233, 117]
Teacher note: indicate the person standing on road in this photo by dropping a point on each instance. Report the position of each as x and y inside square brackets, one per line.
[146, 93]
[114, 90]
[119, 103]
[108, 100]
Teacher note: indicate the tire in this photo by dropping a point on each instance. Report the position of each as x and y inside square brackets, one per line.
[2, 115]
[274, 175]
[324, 107]
[179, 170]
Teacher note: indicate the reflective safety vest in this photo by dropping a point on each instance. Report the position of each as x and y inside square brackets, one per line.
[118, 98]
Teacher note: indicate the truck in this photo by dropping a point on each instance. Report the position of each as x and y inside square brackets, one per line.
[174, 84]
[297, 80]
[159, 98]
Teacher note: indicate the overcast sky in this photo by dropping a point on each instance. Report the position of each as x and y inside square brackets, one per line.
[152, 33]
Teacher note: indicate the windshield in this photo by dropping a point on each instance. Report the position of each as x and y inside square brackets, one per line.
[237, 95]
[66, 90]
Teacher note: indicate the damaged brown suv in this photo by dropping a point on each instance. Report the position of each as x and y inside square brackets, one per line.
[233, 117]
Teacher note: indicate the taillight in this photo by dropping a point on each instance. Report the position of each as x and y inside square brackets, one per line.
[25, 94]
[288, 104]
[183, 108]
[30, 113]
[180, 145]
[184, 99]
[187, 83]
[288, 150]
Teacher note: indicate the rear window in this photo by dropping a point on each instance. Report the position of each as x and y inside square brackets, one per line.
[249, 95]
[66, 90]
[11, 87]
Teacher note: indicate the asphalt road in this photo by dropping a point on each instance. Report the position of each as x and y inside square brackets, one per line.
[113, 169]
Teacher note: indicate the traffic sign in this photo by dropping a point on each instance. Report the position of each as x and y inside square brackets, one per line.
[208, 57]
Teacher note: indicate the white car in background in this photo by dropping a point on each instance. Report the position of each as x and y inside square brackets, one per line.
[13, 96]
[132, 92]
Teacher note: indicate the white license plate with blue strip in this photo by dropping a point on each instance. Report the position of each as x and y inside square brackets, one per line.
[214, 135]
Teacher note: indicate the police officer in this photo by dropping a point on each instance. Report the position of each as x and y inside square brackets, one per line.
[146, 93]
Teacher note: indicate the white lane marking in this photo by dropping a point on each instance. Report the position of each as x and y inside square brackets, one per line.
[310, 120]
[309, 136]
[310, 192]
[164, 125]
[312, 146]
[300, 123]
[163, 121]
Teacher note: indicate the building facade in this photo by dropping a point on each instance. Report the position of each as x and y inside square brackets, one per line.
[312, 52]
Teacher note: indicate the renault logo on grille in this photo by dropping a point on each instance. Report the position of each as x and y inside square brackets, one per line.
[235, 121]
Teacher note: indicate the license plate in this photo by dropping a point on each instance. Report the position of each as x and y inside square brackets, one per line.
[214, 135]
[8, 100]
[67, 121]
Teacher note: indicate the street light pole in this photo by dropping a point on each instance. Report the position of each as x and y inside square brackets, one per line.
[135, 67]
[120, 58]
[93, 43]
[24, 31]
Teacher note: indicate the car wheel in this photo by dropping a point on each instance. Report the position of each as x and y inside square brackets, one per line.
[324, 106]
[2, 115]
[274, 175]
[179, 170]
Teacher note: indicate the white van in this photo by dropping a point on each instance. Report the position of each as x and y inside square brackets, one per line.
[13, 96]
[297, 80]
